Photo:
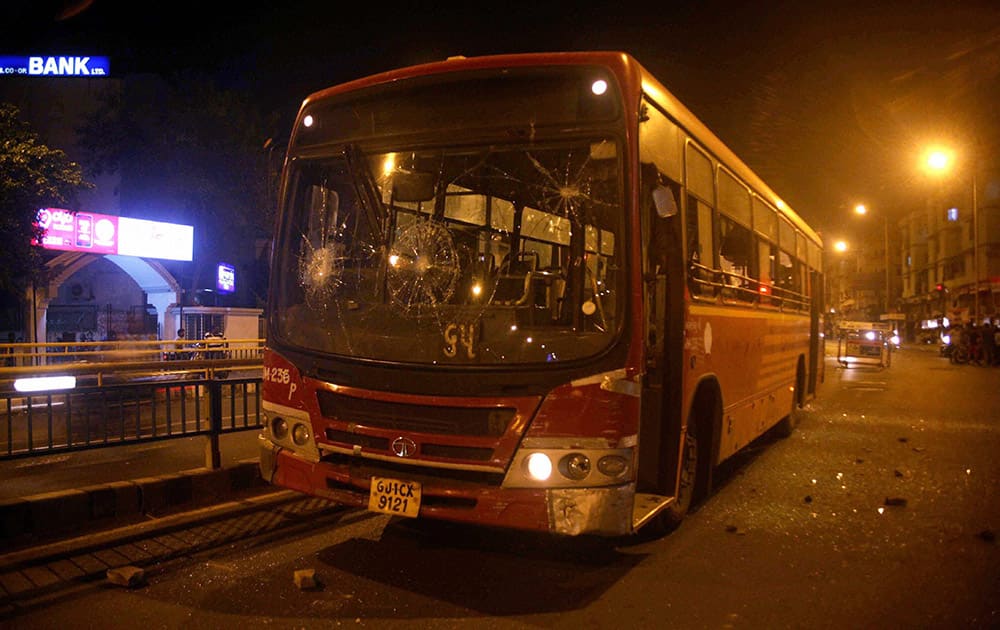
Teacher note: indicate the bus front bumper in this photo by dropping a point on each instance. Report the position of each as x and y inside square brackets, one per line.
[564, 511]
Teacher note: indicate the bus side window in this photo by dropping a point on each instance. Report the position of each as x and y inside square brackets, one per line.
[767, 254]
[798, 284]
[700, 247]
[786, 275]
[736, 260]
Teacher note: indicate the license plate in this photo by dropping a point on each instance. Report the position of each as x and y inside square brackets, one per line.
[393, 496]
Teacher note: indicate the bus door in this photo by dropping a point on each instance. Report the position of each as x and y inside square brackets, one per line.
[663, 315]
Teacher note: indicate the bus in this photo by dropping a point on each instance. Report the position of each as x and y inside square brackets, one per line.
[527, 291]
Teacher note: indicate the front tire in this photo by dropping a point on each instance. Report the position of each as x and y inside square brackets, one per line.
[689, 477]
[960, 355]
[671, 517]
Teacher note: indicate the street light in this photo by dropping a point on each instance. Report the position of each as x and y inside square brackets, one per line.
[939, 160]
[861, 209]
[835, 282]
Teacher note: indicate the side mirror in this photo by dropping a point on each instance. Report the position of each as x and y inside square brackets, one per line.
[663, 200]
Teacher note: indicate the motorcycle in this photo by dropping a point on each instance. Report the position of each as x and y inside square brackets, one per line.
[959, 354]
[945, 346]
[213, 347]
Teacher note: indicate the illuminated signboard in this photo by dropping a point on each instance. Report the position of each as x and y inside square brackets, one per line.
[108, 234]
[56, 66]
[226, 278]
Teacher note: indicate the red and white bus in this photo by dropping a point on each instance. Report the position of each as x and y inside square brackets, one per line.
[527, 291]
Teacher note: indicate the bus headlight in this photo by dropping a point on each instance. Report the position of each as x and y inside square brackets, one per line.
[279, 428]
[546, 464]
[291, 430]
[538, 466]
[300, 434]
[575, 466]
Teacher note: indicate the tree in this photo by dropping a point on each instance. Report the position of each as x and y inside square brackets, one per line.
[32, 176]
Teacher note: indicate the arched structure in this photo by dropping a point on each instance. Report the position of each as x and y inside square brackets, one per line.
[159, 285]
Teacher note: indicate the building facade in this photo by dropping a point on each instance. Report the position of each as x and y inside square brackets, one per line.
[857, 283]
[92, 296]
[950, 257]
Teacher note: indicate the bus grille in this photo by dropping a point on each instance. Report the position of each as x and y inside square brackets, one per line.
[471, 421]
[364, 469]
[426, 448]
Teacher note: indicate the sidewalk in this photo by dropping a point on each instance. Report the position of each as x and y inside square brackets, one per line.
[55, 496]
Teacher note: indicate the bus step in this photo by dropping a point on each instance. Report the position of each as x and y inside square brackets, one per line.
[647, 506]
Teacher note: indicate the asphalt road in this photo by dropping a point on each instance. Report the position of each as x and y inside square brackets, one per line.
[879, 512]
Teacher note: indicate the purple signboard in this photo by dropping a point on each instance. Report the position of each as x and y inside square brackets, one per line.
[226, 278]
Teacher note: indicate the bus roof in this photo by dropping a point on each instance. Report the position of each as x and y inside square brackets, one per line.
[626, 67]
[687, 120]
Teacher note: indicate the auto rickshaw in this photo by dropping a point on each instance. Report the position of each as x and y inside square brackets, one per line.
[864, 343]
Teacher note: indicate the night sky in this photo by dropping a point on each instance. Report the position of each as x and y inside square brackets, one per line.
[831, 102]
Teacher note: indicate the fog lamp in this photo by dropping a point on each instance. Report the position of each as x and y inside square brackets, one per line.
[575, 466]
[300, 434]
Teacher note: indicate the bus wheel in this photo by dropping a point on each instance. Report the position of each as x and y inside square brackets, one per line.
[670, 518]
[689, 476]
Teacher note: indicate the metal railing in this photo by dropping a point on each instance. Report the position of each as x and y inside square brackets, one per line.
[22, 355]
[136, 394]
[727, 287]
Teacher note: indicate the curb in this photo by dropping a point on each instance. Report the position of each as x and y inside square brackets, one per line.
[29, 520]
[13, 560]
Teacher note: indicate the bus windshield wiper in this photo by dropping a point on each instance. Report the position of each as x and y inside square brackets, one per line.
[367, 191]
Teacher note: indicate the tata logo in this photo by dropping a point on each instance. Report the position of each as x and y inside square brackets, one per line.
[68, 66]
[404, 447]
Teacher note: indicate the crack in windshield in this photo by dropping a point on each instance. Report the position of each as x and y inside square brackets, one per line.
[423, 268]
[479, 255]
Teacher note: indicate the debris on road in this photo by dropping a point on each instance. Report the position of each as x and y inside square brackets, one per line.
[127, 576]
[305, 579]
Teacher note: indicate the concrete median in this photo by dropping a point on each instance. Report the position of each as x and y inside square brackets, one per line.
[42, 517]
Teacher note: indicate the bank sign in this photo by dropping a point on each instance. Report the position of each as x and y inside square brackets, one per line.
[108, 234]
[56, 66]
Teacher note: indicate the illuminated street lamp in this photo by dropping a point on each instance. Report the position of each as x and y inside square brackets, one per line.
[862, 210]
[834, 282]
[939, 160]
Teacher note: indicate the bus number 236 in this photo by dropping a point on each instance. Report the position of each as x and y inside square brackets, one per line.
[277, 375]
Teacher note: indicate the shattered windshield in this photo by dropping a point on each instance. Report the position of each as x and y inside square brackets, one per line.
[457, 219]
[477, 255]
